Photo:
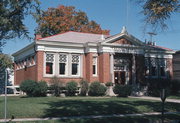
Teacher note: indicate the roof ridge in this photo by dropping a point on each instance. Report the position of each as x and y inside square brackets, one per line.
[54, 35]
[71, 31]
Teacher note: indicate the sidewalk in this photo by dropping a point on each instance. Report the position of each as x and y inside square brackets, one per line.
[87, 117]
[155, 98]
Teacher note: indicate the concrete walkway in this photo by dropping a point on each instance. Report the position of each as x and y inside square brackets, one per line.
[87, 117]
[155, 98]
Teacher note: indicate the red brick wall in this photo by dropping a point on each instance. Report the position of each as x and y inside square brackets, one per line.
[140, 74]
[104, 67]
[123, 41]
[89, 69]
[22, 74]
[40, 64]
[170, 66]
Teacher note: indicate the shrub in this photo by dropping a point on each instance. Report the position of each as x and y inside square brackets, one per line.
[28, 86]
[109, 84]
[84, 88]
[96, 89]
[156, 85]
[122, 90]
[175, 87]
[71, 88]
[41, 89]
[33, 88]
[56, 85]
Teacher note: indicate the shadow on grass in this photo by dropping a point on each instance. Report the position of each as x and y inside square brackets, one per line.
[103, 107]
[82, 108]
[156, 106]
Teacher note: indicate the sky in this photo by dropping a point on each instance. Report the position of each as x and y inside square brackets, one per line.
[111, 15]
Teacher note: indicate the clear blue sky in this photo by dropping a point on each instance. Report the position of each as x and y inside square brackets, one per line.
[110, 14]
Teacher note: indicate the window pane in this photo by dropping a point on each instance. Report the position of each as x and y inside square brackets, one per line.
[62, 68]
[74, 69]
[94, 69]
[162, 71]
[49, 68]
[153, 72]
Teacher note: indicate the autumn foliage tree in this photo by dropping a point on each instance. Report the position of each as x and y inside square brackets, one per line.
[66, 18]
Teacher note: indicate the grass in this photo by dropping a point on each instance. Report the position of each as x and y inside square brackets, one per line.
[142, 119]
[177, 96]
[22, 107]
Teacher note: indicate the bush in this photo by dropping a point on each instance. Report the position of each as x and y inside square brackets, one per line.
[56, 86]
[41, 89]
[33, 88]
[156, 85]
[175, 87]
[109, 84]
[71, 88]
[122, 90]
[84, 88]
[96, 89]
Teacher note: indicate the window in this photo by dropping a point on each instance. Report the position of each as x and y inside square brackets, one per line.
[75, 64]
[62, 64]
[146, 66]
[94, 66]
[153, 67]
[49, 63]
[162, 67]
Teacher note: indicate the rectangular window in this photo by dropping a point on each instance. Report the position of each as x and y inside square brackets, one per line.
[94, 66]
[75, 64]
[146, 67]
[49, 63]
[153, 71]
[62, 64]
[74, 69]
[162, 71]
[154, 66]
[49, 68]
[162, 65]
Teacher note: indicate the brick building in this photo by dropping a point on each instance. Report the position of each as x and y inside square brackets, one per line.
[120, 58]
[176, 65]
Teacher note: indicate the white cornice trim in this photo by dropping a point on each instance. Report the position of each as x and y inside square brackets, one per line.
[53, 43]
[24, 49]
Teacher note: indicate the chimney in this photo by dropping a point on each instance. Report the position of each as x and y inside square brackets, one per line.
[102, 37]
[38, 36]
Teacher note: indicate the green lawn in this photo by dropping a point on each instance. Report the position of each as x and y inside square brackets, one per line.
[177, 96]
[22, 107]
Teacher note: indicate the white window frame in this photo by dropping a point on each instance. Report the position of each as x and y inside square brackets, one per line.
[53, 74]
[78, 68]
[94, 57]
[66, 65]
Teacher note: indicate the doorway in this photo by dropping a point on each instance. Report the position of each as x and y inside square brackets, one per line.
[120, 77]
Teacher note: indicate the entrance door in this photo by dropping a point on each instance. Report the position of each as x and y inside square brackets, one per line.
[120, 77]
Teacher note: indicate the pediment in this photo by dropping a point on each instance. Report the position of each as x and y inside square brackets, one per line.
[124, 39]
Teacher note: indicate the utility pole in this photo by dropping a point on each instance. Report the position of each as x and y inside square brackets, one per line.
[5, 97]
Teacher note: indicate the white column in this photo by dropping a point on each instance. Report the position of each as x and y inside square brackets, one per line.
[133, 69]
[112, 67]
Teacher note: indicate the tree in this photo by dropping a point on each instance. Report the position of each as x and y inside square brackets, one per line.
[66, 18]
[12, 14]
[5, 61]
[158, 11]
